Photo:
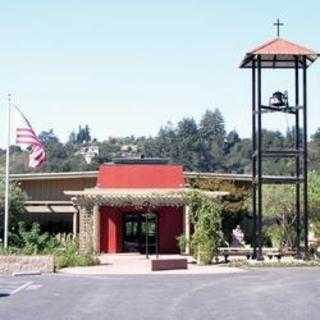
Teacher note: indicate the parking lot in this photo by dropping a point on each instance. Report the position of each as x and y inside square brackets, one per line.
[10, 286]
[258, 294]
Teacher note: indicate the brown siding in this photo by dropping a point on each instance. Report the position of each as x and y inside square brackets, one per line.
[40, 190]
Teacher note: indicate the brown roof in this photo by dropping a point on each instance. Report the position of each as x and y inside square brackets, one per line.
[279, 53]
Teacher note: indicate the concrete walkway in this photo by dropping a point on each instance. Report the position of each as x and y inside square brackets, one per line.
[132, 263]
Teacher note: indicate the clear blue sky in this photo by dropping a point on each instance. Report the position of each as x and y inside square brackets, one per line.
[128, 67]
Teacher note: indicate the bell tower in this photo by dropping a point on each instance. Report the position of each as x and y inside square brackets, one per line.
[280, 54]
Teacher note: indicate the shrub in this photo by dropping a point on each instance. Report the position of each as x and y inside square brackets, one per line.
[32, 241]
[182, 243]
[207, 235]
[16, 210]
[279, 211]
[10, 251]
[316, 227]
[281, 236]
[69, 256]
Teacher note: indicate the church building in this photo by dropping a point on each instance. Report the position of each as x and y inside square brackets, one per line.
[137, 205]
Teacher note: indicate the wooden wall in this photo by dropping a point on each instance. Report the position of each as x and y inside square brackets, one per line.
[47, 189]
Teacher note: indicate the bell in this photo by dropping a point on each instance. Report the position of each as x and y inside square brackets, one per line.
[279, 99]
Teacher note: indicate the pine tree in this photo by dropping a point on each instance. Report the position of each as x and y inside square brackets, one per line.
[213, 135]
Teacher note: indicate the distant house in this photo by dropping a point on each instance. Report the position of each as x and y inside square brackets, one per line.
[89, 152]
[129, 150]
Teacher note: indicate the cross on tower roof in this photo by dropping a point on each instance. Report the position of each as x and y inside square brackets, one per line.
[278, 24]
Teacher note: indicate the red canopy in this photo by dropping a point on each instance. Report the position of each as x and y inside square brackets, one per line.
[279, 53]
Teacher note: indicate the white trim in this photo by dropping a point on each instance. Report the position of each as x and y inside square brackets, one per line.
[21, 287]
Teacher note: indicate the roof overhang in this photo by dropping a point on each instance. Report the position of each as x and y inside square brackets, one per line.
[276, 61]
[136, 197]
[53, 175]
[279, 54]
[93, 174]
[50, 207]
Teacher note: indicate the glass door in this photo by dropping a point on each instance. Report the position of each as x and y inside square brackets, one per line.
[148, 227]
[140, 232]
[131, 233]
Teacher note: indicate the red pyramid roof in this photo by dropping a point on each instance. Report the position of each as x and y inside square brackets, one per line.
[282, 46]
[279, 53]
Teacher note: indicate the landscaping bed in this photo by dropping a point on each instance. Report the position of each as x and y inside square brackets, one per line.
[10, 264]
[284, 263]
[33, 251]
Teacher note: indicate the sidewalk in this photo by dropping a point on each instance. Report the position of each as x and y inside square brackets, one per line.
[131, 264]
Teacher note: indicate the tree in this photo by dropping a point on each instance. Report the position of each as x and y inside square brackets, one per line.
[72, 137]
[314, 201]
[48, 137]
[279, 211]
[314, 151]
[16, 210]
[166, 143]
[212, 127]
[213, 135]
[238, 158]
[272, 139]
[55, 151]
[232, 139]
[203, 146]
[188, 144]
[316, 136]
[279, 214]
[83, 135]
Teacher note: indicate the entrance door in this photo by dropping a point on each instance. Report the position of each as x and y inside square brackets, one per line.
[136, 226]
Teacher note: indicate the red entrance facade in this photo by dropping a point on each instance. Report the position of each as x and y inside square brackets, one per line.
[123, 228]
[112, 228]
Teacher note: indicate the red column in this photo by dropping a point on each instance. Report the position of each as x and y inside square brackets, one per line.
[170, 226]
[111, 230]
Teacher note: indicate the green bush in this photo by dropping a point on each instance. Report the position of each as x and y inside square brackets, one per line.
[16, 210]
[207, 234]
[69, 256]
[10, 251]
[316, 226]
[281, 236]
[182, 243]
[29, 240]
[32, 241]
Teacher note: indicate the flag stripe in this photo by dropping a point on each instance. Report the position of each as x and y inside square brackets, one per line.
[26, 136]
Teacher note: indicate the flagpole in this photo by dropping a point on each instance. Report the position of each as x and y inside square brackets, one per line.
[6, 203]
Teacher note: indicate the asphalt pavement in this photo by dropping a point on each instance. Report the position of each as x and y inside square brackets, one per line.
[292, 293]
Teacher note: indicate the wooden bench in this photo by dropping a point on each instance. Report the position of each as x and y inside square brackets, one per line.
[248, 253]
[229, 251]
[274, 253]
[168, 264]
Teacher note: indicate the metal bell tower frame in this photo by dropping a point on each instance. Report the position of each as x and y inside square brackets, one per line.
[280, 54]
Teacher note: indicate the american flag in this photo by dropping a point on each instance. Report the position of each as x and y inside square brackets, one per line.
[26, 136]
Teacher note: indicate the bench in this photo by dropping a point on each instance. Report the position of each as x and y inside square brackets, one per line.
[274, 253]
[248, 252]
[168, 264]
[227, 252]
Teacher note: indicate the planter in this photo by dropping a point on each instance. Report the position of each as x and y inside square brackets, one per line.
[10, 264]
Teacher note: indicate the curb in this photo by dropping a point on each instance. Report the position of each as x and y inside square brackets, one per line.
[26, 273]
